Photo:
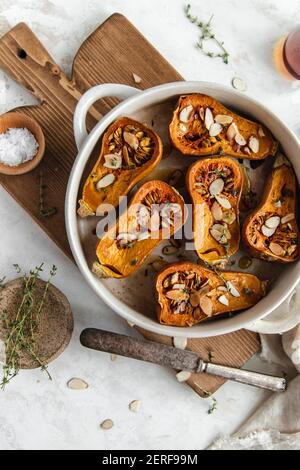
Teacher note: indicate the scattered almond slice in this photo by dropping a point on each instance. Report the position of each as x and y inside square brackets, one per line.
[232, 131]
[178, 286]
[135, 406]
[272, 222]
[215, 129]
[216, 187]
[206, 305]
[246, 150]
[229, 217]
[287, 218]
[179, 342]
[183, 375]
[222, 288]
[261, 132]
[223, 300]
[113, 357]
[216, 211]
[137, 79]
[240, 140]
[182, 127]
[112, 161]
[185, 113]
[176, 295]
[268, 232]
[239, 84]
[232, 290]
[276, 249]
[217, 232]
[202, 114]
[107, 180]
[278, 204]
[77, 384]
[223, 201]
[208, 120]
[223, 119]
[107, 424]
[253, 144]
[131, 140]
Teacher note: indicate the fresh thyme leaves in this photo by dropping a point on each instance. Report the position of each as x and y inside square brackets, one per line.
[20, 331]
[213, 406]
[45, 213]
[207, 34]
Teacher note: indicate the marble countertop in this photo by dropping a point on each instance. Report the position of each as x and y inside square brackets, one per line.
[38, 414]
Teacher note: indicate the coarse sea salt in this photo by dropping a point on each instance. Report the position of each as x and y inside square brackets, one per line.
[17, 146]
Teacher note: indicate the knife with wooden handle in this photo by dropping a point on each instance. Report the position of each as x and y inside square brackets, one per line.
[178, 359]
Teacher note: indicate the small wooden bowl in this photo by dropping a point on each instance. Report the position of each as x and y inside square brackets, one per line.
[18, 120]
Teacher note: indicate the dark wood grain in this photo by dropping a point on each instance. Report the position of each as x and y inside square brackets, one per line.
[110, 54]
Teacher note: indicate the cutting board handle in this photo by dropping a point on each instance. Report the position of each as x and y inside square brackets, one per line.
[122, 92]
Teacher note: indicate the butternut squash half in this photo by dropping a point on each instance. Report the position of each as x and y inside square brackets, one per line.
[203, 126]
[155, 213]
[215, 186]
[130, 151]
[271, 231]
[189, 294]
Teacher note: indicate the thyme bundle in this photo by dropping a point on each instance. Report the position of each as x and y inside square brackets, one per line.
[20, 331]
[206, 35]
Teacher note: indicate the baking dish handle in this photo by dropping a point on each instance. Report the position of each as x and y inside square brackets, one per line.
[282, 319]
[119, 91]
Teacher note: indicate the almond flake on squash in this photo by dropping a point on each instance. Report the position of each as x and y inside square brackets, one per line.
[206, 305]
[272, 222]
[232, 131]
[232, 289]
[217, 232]
[216, 211]
[176, 295]
[223, 300]
[183, 375]
[208, 120]
[223, 201]
[223, 119]
[185, 113]
[112, 161]
[180, 343]
[261, 132]
[202, 113]
[268, 232]
[246, 150]
[178, 286]
[107, 180]
[240, 140]
[215, 129]
[131, 140]
[287, 218]
[229, 217]
[276, 249]
[182, 127]
[253, 144]
[216, 187]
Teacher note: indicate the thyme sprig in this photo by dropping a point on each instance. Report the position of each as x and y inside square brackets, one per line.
[207, 34]
[21, 330]
[213, 406]
[44, 212]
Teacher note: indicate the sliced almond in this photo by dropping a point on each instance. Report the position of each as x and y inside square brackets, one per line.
[131, 140]
[216, 211]
[232, 131]
[276, 249]
[202, 113]
[272, 222]
[291, 249]
[179, 342]
[223, 119]
[183, 375]
[137, 79]
[253, 144]
[278, 204]
[177, 295]
[174, 278]
[185, 113]
[287, 218]
[223, 201]
[215, 129]
[182, 127]
[227, 232]
[261, 132]
[180, 307]
[178, 286]
[246, 150]
[107, 180]
[223, 300]
[240, 140]
[232, 290]
[135, 405]
[268, 232]
[206, 305]
[216, 187]
[113, 357]
[204, 290]
[217, 232]
[222, 288]
[143, 215]
[112, 161]
[154, 221]
[77, 384]
[239, 84]
[229, 217]
[208, 120]
[107, 424]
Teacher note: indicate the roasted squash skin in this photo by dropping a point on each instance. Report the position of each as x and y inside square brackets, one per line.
[271, 232]
[192, 134]
[203, 293]
[137, 161]
[124, 248]
[216, 228]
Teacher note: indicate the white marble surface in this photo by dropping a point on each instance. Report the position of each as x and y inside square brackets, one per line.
[38, 414]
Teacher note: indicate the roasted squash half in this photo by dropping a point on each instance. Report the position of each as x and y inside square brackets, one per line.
[271, 232]
[130, 151]
[203, 126]
[155, 213]
[189, 294]
[215, 186]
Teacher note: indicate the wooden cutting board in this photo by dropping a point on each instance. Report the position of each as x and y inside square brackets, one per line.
[111, 54]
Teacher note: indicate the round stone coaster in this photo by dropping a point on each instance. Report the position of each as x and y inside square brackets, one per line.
[54, 329]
